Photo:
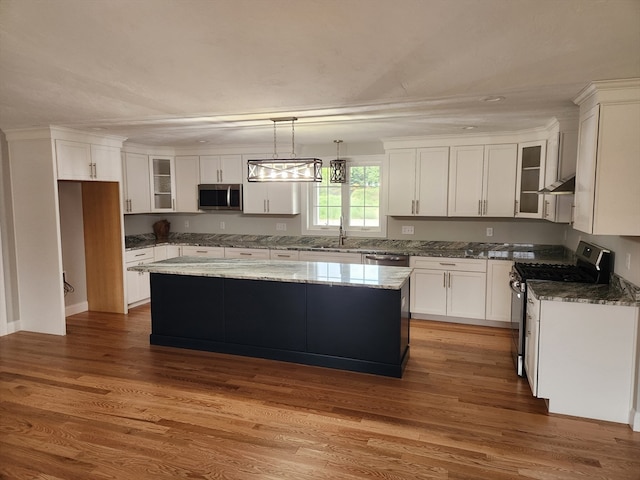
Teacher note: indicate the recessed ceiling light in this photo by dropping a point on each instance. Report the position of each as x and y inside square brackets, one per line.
[469, 127]
[202, 141]
[492, 99]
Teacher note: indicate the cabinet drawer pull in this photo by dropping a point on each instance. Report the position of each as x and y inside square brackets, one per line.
[448, 264]
[201, 251]
[140, 254]
[283, 256]
[246, 254]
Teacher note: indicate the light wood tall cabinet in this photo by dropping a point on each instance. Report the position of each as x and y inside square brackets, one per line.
[418, 180]
[607, 197]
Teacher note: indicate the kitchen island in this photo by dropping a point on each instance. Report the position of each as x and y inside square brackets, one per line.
[347, 316]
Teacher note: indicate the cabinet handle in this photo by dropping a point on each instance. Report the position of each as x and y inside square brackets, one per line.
[139, 255]
[479, 207]
[268, 206]
[173, 204]
[515, 208]
[573, 213]
[95, 170]
[444, 279]
[201, 251]
[283, 256]
[413, 207]
[219, 175]
[484, 207]
[448, 264]
[417, 207]
[449, 275]
[246, 254]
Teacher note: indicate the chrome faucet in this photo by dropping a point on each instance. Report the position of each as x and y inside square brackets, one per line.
[341, 233]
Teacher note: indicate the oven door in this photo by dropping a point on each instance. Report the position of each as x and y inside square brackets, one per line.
[517, 325]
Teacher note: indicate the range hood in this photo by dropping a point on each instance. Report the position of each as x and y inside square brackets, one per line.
[566, 186]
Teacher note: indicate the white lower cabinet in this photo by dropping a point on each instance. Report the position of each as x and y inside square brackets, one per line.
[335, 257]
[195, 251]
[452, 287]
[138, 288]
[582, 357]
[498, 291]
[247, 253]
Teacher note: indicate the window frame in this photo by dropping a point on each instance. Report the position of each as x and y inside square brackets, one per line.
[369, 232]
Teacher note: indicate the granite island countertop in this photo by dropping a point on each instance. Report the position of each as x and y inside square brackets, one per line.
[618, 292]
[358, 275]
[428, 248]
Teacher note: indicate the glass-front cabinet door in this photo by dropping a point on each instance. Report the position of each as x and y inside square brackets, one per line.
[531, 164]
[163, 184]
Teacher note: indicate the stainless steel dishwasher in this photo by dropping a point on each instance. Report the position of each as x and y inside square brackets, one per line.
[391, 260]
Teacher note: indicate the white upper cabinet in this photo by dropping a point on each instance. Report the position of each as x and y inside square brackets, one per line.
[269, 197]
[530, 179]
[482, 180]
[607, 198]
[162, 181]
[560, 165]
[466, 167]
[137, 193]
[418, 180]
[187, 173]
[500, 164]
[221, 169]
[85, 161]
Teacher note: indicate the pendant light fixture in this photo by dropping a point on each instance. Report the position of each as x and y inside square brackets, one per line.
[284, 169]
[337, 167]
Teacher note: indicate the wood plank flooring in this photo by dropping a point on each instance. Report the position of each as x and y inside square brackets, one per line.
[101, 403]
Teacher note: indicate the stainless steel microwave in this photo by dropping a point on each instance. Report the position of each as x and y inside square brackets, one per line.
[220, 196]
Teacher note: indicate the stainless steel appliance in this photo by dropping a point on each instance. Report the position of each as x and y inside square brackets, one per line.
[220, 196]
[392, 260]
[593, 265]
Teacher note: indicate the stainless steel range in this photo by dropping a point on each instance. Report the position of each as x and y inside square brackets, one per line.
[593, 265]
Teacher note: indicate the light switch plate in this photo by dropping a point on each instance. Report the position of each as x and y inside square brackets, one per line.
[407, 229]
[489, 231]
[281, 226]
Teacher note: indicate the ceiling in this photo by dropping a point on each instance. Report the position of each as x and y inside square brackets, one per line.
[182, 72]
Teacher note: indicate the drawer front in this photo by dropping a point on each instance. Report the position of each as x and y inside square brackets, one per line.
[449, 264]
[139, 255]
[254, 253]
[214, 252]
[284, 254]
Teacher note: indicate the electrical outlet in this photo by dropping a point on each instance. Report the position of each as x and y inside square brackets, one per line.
[186, 224]
[222, 226]
[281, 226]
[628, 261]
[407, 229]
[489, 231]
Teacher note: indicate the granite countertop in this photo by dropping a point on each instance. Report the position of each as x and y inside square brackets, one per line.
[618, 292]
[479, 250]
[358, 275]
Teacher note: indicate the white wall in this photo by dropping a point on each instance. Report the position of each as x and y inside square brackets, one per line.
[37, 234]
[73, 251]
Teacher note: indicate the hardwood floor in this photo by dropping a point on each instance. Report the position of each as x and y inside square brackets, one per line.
[103, 403]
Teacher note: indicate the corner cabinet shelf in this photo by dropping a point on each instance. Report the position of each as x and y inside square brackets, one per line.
[163, 184]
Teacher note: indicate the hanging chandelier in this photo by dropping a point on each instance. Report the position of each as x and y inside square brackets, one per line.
[337, 167]
[284, 169]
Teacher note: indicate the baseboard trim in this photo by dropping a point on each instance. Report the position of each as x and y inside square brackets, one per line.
[13, 327]
[76, 308]
[634, 420]
[467, 321]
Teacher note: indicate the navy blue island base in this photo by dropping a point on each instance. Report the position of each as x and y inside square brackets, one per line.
[354, 328]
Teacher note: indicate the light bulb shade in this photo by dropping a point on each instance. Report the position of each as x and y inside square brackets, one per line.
[285, 170]
[338, 171]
